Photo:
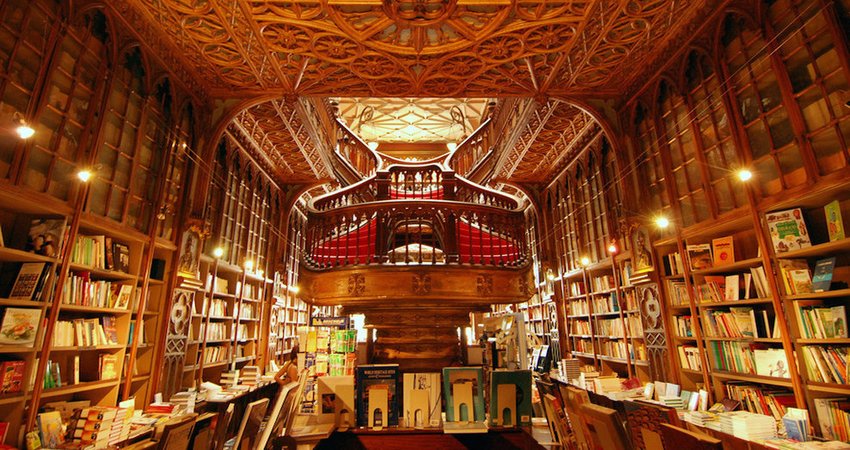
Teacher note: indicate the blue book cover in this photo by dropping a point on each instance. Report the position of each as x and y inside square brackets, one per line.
[822, 278]
[368, 375]
[521, 379]
[475, 375]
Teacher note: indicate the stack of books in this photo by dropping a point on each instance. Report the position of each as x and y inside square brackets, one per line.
[673, 401]
[570, 369]
[701, 418]
[94, 426]
[747, 425]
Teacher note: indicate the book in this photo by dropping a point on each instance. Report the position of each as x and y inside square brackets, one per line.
[834, 224]
[121, 257]
[822, 278]
[108, 367]
[19, 326]
[50, 429]
[122, 298]
[459, 375]
[788, 230]
[699, 256]
[801, 281]
[771, 362]
[423, 381]
[786, 266]
[733, 288]
[45, 237]
[724, 250]
[12, 373]
[382, 377]
[27, 281]
[109, 257]
[521, 381]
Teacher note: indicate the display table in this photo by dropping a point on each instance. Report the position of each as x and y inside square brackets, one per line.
[406, 438]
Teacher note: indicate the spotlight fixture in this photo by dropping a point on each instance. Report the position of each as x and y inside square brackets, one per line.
[662, 222]
[550, 275]
[585, 261]
[745, 175]
[249, 265]
[84, 175]
[218, 252]
[23, 129]
[612, 248]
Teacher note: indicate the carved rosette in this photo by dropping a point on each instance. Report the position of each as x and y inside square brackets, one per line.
[653, 332]
[356, 284]
[421, 283]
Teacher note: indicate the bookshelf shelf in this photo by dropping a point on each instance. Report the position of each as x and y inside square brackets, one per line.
[583, 355]
[685, 338]
[833, 341]
[691, 371]
[827, 388]
[783, 382]
[22, 303]
[825, 249]
[91, 309]
[729, 268]
[77, 388]
[103, 273]
[16, 349]
[752, 301]
[817, 295]
[87, 349]
[743, 339]
[8, 254]
[10, 399]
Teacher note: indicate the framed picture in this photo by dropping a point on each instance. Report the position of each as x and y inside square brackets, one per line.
[642, 256]
[190, 254]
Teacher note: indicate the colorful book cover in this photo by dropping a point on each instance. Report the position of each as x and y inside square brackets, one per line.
[474, 375]
[801, 281]
[699, 256]
[724, 250]
[108, 367]
[771, 362]
[822, 278]
[428, 382]
[376, 375]
[521, 380]
[121, 257]
[834, 224]
[27, 281]
[45, 237]
[50, 429]
[788, 230]
[12, 373]
[19, 326]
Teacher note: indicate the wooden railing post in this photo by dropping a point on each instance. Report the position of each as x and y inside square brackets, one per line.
[382, 181]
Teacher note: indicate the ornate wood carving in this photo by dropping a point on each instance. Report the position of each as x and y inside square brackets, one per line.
[421, 283]
[653, 332]
[396, 48]
[176, 340]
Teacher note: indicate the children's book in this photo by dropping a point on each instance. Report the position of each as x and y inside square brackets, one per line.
[699, 256]
[788, 230]
[822, 278]
[724, 250]
[19, 326]
[834, 224]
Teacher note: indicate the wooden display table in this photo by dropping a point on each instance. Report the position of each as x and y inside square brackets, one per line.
[406, 438]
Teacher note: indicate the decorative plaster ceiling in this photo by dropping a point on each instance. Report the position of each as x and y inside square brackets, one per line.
[414, 48]
[408, 120]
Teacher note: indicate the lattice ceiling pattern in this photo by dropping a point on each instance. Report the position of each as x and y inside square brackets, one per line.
[406, 120]
[421, 48]
[554, 135]
[275, 129]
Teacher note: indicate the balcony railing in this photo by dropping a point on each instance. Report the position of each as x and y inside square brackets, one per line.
[415, 214]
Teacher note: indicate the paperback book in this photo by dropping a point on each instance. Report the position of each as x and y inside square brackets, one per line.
[724, 250]
[699, 256]
[834, 224]
[822, 278]
[788, 230]
[19, 326]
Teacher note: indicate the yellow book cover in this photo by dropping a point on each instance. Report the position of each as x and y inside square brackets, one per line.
[724, 250]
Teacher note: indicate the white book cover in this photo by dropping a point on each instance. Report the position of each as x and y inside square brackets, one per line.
[423, 381]
[733, 288]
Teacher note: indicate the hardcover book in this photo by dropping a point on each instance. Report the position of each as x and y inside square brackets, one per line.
[50, 429]
[801, 281]
[12, 373]
[19, 326]
[771, 362]
[788, 230]
[699, 256]
[834, 224]
[121, 257]
[383, 377]
[521, 381]
[460, 375]
[822, 278]
[724, 250]
[29, 277]
[45, 237]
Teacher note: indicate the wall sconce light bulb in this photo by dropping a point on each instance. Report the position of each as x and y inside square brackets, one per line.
[218, 252]
[662, 222]
[585, 261]
[24, 131]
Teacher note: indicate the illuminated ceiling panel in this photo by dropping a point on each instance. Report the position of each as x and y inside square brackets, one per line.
[408, 120]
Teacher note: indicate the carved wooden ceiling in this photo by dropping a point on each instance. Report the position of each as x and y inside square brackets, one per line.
[416, 48]
[409, 120]
[554, 135]
[345, 49]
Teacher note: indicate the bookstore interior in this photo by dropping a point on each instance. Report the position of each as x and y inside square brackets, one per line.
[393, 224]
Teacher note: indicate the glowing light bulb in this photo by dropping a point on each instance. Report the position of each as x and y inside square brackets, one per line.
[585, 261]
[84, 175]
[218, 252]
[24, 131]
[745, 175]
[612, 248]
[249, 265]
[662, 222]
